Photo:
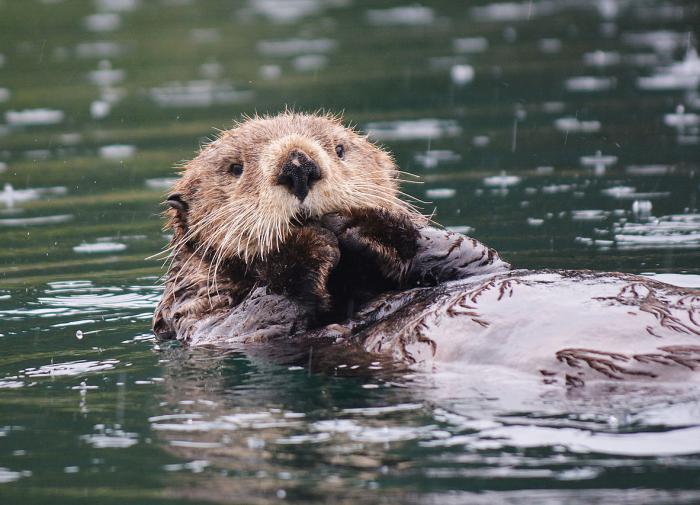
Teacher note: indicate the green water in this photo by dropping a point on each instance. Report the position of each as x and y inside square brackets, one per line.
[487, 90]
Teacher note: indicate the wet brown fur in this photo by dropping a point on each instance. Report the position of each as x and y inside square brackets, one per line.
[233, 233]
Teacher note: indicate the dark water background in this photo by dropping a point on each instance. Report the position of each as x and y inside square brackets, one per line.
[498, 106]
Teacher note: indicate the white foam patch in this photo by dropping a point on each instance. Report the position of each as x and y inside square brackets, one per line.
[295, 47]
[469, 45]
[435, 157]
[292, 11]
[200, 93]
[440, 193]
[33, 117]
[103, 22]
[117, 151]
[571, 124]
[70, 368]
[653, 444]
[161, 182]
[99, 49]
[413, 129]
[7, 475]
[101, 301]
[99, 247]
[589, 84]
[502, 180]
[409, 15]
[110, 438]
[589, 215]
[36, 221]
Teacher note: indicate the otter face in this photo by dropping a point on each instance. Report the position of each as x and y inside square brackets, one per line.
[246, 190]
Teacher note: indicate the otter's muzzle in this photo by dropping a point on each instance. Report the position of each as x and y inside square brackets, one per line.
[298, 174]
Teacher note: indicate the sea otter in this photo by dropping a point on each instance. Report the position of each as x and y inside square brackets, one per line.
[288, 231]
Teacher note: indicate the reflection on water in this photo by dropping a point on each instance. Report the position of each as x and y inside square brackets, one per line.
[563, 133]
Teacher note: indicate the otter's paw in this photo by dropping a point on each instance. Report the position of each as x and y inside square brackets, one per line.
[389, 239]
[300, 269]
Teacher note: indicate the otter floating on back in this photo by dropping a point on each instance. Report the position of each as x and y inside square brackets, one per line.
[289, 232]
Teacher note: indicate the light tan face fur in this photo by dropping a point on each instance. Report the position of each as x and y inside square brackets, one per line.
[252, 214]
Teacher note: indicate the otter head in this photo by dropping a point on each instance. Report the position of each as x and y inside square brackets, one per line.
[246, 190]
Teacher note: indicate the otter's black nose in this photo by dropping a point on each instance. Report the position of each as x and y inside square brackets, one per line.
[298, 173]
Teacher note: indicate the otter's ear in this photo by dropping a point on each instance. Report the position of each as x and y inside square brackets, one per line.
[177, 220]
[176, 202]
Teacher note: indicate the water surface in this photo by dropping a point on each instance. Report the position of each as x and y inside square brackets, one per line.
[565, 134]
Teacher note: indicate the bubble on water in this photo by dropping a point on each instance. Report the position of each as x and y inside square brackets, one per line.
[200, 93]
[435, 157]
[413, 129]
[571, 124]
[79, 335]
[100, 109]
[684, 75]
[295, 47]
[211, 69]
[553, 107]
[680, 119]
[291, 11]
[7, 475]
[440, 193]
[512, 11]
[99, 49]
[588, 84]
[481, 140]
[117, 152]
[602, 58]
[102, 22]
[412, 15]
[549, 45]
[106, 76]
[33, 117]
[598, 161]
[161, 182]
[9, 196]
[69, 368]
[502, 180]
[469, 45]
[680, 231]
[270, 72]
[110, 438]
[11, 384]
[118, 5]
[205, 35]
[589, 215]
[631, 193]
[647, 170]
[100, 247]
[642, 208]
[544, 170]
[34, 221]
[462, 74]
[309, 62]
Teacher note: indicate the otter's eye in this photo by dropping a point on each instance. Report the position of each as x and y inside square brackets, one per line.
[235, 169]
[340, 151]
